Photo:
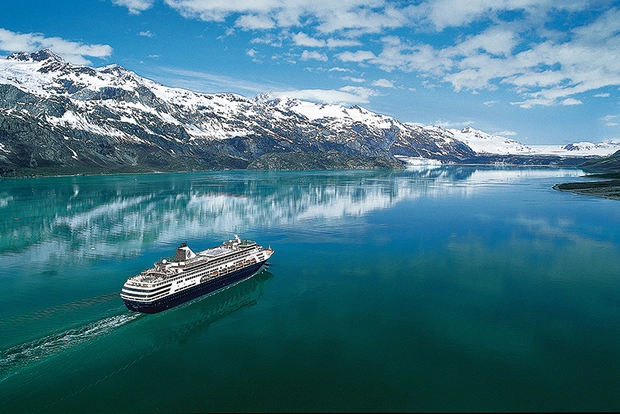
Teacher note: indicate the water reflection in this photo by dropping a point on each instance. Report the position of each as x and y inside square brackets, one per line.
[192, 317]
[82, 217]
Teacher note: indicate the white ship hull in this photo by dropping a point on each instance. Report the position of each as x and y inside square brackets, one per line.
[190, 275]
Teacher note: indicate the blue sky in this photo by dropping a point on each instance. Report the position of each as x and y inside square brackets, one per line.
[540, 72]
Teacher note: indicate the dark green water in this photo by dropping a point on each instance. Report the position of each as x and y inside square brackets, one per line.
[453, 289]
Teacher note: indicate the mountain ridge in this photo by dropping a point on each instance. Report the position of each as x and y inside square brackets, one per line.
[67, 118]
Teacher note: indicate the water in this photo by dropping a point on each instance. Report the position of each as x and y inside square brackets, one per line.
[447, 289]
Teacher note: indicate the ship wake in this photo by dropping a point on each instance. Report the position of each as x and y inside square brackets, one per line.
[27, 353]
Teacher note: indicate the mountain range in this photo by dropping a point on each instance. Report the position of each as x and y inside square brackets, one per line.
[60, 118]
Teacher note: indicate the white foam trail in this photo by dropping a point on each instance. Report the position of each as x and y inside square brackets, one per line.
[13, 358]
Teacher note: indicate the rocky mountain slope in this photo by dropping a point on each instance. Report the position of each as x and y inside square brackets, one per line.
[56, 117]
[604, 165]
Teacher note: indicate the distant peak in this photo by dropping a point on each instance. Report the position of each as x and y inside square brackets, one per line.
[114, 69]
[264, 97]
[40, 56]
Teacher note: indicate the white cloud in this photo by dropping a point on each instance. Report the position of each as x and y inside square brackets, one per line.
[302, 39]
[308, 55]
[399, 55]
[516, 48]
[268, 39]
[550, 72]
[73, 52]
[255, 22]
[570, 101]
[208, 82]
[609, 117]
[360, 91]
[449, 13]
[348, 95]
[383, 83]
[333, 43]
[146, 33]
[135, 6]
[498, 41]
[362, 16]
[339, 69]
[358, 56]
[602, 95]
[353, 79]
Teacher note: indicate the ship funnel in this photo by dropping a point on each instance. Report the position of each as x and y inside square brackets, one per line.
[183, 253]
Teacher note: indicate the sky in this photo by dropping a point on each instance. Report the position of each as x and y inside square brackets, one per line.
[537, 71]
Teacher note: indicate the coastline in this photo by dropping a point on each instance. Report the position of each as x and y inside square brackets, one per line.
[609, 189]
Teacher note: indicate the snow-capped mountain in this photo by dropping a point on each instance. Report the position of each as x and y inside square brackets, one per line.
[483, 143]
[68, 117]
[57, 114]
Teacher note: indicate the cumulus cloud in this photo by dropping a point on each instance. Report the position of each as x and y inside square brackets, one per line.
[383, 83]
[74, 52]
[339, 69]
[551, 72]
[570, 101]
[363, 16]
[312, 55]
[509, 43]
[255, 22]
[135, 6]
[348, 95]
[358, 56]
[448, 13]
[302, 39]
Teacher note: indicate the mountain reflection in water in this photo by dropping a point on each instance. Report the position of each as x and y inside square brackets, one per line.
[104, 216]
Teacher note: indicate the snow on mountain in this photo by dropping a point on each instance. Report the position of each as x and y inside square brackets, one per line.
[331, 112]
[601, 149]
[483, 143]
[112, 115]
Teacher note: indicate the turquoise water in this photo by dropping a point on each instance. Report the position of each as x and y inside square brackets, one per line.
[448, 289]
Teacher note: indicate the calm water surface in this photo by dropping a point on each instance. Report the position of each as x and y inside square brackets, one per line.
[450, 289]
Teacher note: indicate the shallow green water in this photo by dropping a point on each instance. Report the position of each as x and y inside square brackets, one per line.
[452, 289]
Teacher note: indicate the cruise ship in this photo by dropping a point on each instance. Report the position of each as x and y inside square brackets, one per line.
[190, 275]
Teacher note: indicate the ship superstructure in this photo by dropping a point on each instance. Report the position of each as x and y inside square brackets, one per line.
[189, 275]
